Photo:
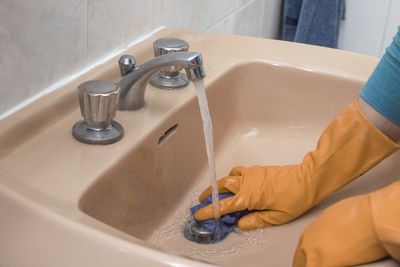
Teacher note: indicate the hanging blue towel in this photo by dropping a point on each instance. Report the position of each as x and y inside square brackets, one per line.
[313, 21]
[228, 221]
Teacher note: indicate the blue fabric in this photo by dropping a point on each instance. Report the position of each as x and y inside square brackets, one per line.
[228, 221]
[382, 90]
[313, 21]
[291, 14]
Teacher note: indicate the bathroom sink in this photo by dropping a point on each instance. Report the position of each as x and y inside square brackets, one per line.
[262, 114]
[66, 203]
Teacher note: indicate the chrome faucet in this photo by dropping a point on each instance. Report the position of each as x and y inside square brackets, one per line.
[135, 79]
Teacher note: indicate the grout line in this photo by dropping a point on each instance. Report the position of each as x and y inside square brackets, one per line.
[87, 30]
[381, 50]
[72, 77]
[152, 14]
[262, 22]
[230, 14]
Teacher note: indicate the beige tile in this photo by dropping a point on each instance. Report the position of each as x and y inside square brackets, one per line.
[182, 14]
[112, 24]
[41, 42]
[213, 12]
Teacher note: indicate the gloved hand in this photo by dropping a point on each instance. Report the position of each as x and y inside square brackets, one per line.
[353, 231]
[348, 147]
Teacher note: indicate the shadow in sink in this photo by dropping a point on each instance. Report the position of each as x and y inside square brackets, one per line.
[262, 114]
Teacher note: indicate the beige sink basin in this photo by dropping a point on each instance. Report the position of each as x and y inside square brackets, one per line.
[262, 114]
[71, 204]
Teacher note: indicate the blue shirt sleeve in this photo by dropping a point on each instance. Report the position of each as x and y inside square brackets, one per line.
[382, 90]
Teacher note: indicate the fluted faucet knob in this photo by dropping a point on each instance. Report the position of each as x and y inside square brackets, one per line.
[169, 77]
[98, 102]
[169, 45]
[164, 46]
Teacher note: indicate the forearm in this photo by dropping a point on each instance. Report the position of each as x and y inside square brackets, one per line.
[380, 97]
[386, 126]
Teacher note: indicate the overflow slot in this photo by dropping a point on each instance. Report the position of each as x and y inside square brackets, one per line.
[167, 133]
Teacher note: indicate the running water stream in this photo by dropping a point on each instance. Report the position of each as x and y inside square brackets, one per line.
[239, 244]
[208, 135]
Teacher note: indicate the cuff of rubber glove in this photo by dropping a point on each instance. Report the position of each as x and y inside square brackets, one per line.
[371, 126]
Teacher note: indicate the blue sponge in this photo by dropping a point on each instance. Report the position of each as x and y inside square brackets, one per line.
[228, 222]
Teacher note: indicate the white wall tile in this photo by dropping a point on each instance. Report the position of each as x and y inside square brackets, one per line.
[226, 26]
[260, 18]
[113, 24]
[393, 21]
[364, 27]
[249, 19]
[212, 12]
[43, 42]
[271, 24]
[40, 43]
[181, 14]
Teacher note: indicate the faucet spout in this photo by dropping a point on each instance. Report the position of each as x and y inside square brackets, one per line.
[133, 84]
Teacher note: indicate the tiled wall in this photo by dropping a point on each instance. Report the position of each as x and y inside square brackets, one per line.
[44, 42]
[369, 26]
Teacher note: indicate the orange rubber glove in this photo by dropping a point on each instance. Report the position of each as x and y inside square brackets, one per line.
[353, 231]
[348, 147]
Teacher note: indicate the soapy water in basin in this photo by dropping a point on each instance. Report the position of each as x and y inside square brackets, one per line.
[169, 237]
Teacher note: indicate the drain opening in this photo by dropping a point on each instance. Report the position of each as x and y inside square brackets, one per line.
[167, 133]
[193, 231]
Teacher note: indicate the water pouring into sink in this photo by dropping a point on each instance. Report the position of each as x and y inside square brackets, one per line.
[193, 230]
[213, 230]
[133, 84]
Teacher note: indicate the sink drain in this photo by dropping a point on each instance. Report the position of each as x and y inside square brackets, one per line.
[193, 231]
